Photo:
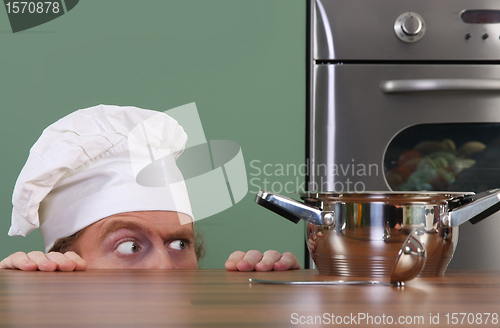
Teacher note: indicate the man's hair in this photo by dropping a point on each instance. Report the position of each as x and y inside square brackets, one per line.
[66, 244]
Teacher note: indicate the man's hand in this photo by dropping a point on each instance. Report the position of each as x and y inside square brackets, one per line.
[255, 260]
[53, 261]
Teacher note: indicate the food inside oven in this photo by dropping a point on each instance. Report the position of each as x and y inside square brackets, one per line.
[444, 157]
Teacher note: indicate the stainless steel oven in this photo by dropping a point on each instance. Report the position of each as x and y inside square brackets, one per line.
[405, 95]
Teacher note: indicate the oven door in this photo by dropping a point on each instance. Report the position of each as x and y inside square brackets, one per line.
[358, 110]
[368, 120]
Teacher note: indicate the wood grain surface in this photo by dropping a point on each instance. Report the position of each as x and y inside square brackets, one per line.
[217, 298]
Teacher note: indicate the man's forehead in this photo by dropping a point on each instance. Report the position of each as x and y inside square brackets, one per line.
[147, 222]
[160, 217]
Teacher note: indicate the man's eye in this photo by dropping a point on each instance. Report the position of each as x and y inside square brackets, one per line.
[178, 244]
[128, 247]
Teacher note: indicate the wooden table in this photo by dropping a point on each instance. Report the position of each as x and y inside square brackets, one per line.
[216, 298]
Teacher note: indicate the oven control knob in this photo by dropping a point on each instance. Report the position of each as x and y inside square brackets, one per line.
[412, 25]
[409, 27]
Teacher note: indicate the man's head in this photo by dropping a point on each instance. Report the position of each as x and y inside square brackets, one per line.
[106, 170]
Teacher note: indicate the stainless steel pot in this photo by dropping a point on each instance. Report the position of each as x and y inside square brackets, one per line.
[360, 234]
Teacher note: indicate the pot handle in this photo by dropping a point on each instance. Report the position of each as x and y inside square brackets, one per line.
[477, 208]
[293, 210]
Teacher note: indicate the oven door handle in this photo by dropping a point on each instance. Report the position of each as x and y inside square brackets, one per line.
[424, 85]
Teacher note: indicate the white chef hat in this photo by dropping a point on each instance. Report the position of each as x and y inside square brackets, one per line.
[90, 165]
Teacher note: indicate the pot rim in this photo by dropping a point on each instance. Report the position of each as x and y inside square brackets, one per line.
[384, 196]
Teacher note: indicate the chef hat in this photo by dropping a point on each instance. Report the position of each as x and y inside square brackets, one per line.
[90, 165]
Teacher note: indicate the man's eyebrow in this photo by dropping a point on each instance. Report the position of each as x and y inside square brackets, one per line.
[120, 224]
[183, 233]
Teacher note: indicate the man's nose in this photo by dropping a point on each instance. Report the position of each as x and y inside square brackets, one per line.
[162, 260]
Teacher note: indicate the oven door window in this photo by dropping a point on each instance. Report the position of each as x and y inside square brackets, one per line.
[444, 157]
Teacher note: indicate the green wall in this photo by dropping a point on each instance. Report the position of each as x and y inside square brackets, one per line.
[242, 62]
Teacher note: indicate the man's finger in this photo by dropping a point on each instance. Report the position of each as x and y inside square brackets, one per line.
[233, 259]
[267, 262]
[249, 261]
[63, 263]
[44, 264]
[81, 264]
[288, 261]
[19, 261]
